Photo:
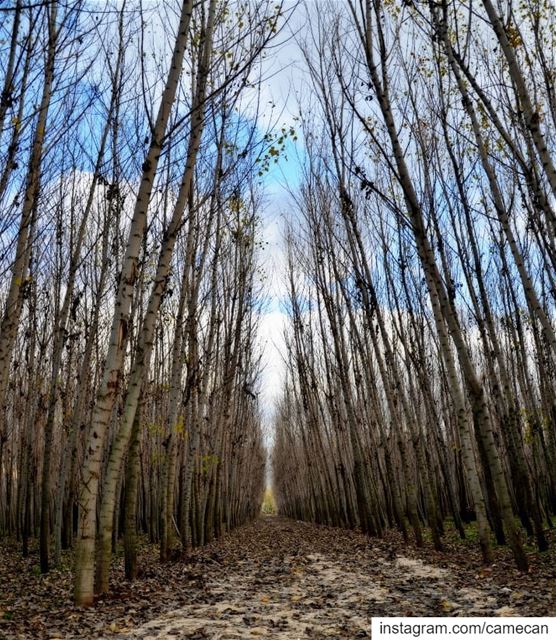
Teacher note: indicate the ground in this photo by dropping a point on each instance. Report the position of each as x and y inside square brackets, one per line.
[278, 579]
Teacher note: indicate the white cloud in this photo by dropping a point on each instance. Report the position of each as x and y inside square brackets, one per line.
[272, 320]
[271, 337]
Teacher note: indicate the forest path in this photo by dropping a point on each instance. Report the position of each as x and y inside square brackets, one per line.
[285, 580]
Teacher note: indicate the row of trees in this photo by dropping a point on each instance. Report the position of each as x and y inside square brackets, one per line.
[129, 225]
[421, 343]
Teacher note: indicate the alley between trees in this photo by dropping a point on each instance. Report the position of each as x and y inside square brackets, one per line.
[410, 278]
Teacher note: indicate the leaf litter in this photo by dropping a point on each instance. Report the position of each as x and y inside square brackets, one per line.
[276, 578]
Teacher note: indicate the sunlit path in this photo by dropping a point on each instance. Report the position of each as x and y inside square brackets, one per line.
[283, 579]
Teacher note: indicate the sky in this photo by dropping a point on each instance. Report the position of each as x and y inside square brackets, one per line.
[282, 80]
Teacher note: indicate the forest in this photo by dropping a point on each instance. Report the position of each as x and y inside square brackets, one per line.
[145, 152]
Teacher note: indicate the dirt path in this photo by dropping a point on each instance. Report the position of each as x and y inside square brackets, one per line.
[277, 579]
[287, 580]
